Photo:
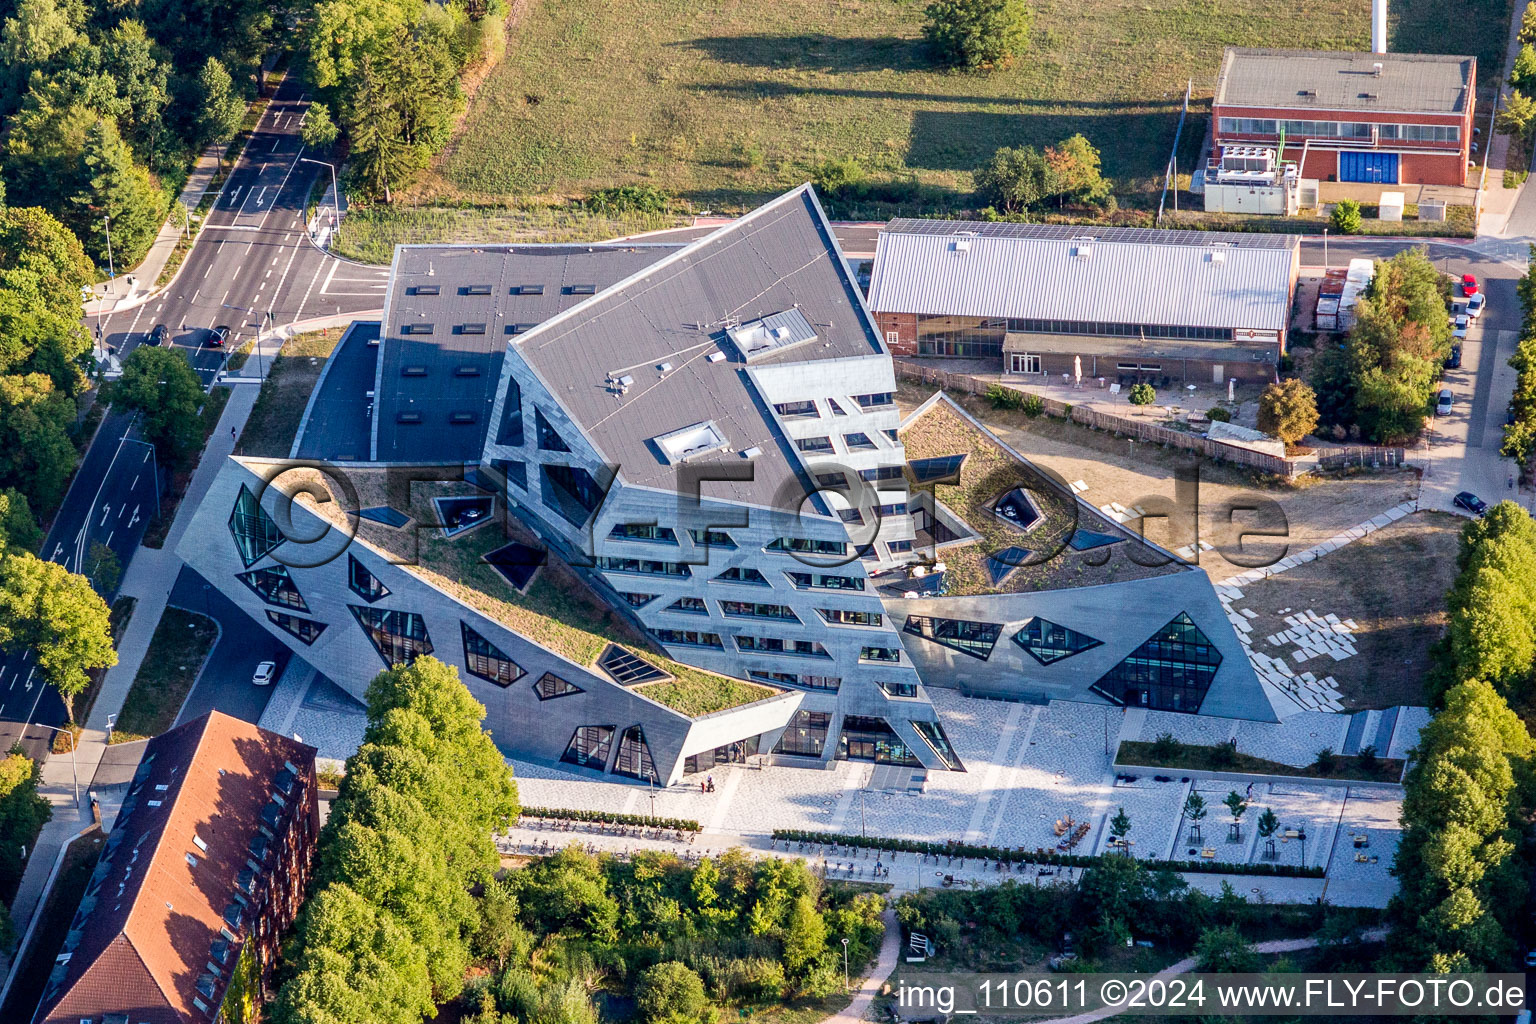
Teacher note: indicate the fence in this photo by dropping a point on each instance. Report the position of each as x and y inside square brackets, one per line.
[1146, 430]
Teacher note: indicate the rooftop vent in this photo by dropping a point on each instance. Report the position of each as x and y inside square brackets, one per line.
[475, 289]
[751, 453]
[472, 329]
[466, 370]
[523, 328]
[418, 328]
[462, 417]
[774, 333]
[413, 370]
[425, 289]
[1376, 69]
[528, 289]
[581, 289]
[407, 417]
[664, 368]
[715, 357]
[689, 442]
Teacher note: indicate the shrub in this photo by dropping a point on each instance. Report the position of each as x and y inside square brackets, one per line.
[1032, 406]
[1142, 394]
[1367, 759]
[1217, 414]
[1165, 747]
[1345, 218]
[1225, 754]
[1004, 397]
[1326, 761]
[837, 176]
[670, 991]
[975, 34]
[629, 199]
[1288, 409]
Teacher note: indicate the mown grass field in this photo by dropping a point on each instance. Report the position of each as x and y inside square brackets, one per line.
[724, 103]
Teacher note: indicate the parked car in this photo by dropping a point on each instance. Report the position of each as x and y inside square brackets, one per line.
[264, 673]
[1530, 958]
[1453, 361]
[1471, 502]
[159, 335]
[1443, 403]
[1459, 327]
[218, 336]
[1468, 285]
[1475, 305]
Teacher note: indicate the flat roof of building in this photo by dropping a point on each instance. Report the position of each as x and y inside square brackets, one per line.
[1084, 273]
[337, 421]
[449, 313]
[678, 313]
[1420, 83]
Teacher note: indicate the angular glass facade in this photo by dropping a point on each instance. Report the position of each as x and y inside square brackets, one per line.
[550, 686]
[867, 738]
[307, 630]
[254, 531]
[399, 637]
[933, 735]
[589, 746]
[634, 757]
[548, 438]
[487, 661]
[275, 586]
[1048, 642]
[806, 734]
[973, 638]
[364, 583]
[1170, 672]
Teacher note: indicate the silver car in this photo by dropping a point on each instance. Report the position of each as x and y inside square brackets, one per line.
[1443, 404]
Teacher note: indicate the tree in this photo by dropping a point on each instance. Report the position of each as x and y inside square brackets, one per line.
[36, 454]
[1120, 827]
[1238, 806]
[1194, 810]
[1396, 348]
[1268, 824]
[975, 34]
[103, 568]
[56, 614]
[221, 109]
[22, 815]
[1288, 409]
[1523, 75]
[670, 993]
[112, 193]
[319, 130]
[1015, 179]
[1225, 951]
[1075, 168]
[805, 936]
[1142, 394]
[1516, 117]
[18, 529]
[1345, 218]
[160, 384]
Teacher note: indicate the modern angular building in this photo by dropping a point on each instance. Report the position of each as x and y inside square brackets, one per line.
[204, 870]
[655, 503]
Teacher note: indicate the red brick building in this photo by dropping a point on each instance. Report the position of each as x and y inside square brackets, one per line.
[203, 871]
[1381, 118]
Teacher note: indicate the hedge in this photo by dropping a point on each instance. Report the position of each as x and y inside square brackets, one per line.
[612, 818]
[1050, 857]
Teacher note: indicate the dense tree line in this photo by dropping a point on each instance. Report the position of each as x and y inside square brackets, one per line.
[387, 75]
[1383, 380]
[102, 104]
[1520, 430]
[22, 815]
[684, 940]
[1492, 605]
[386, 934]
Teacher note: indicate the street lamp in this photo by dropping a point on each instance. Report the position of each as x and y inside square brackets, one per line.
[73, 770]
[111, 269]
[845, 965]
[335, 195]
[256, 345]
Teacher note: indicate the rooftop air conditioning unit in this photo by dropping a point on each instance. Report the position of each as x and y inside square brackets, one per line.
[1082, 252]
[715, 357]
[960, 245]
[1216, 257]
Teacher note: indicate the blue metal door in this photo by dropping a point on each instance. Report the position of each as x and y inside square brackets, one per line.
[1376, 168]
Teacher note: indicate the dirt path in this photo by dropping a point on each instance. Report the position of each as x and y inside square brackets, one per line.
[890, 954]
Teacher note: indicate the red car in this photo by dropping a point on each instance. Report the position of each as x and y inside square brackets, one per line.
[1468, 285]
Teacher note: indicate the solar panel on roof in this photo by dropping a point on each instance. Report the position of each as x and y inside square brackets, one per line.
[1160, 236]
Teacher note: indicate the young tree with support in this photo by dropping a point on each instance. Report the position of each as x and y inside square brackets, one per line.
[1238, 806]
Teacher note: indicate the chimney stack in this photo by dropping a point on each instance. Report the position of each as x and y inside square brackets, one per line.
[1378, 26]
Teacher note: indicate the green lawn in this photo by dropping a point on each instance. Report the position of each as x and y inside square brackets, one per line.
[181, 643]
[723, 103]
[1140, 754]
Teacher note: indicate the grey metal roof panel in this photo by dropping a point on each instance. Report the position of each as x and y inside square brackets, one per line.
[1106, 347]
[780, 257]
[1091, 232]
[335, 425]
[456, 367]
[1426, 83]
[1102, 279]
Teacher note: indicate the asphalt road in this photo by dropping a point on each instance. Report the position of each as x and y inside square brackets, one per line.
[253, 266]
[225, 684]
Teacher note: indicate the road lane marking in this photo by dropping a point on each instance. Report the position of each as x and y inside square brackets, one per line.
[106, 510]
